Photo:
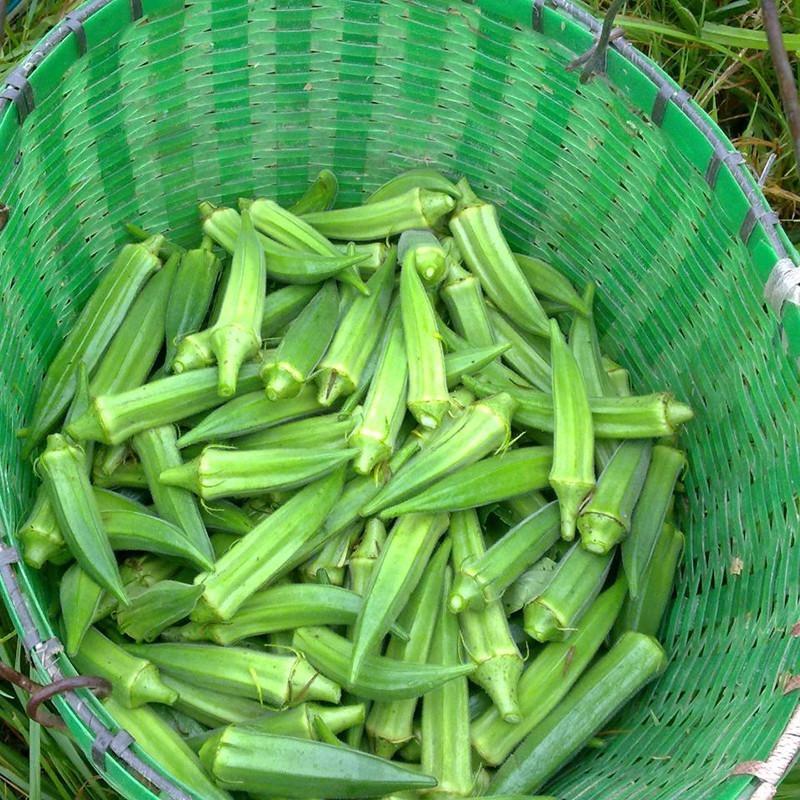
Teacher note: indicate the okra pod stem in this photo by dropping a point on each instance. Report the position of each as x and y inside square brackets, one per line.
[320, 195]
[429, 258]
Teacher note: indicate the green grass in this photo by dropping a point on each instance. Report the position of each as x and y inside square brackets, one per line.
[716, 51]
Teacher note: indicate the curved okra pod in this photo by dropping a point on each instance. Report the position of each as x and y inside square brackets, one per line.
[416, 208]
[487, 638]
[382, 678]
[356, 336]
[157, 608]
[463, 297]
[250, 413]
[428, 398]
[226, 517]
[445, 714]
[40, 535]
[418, 178]
[328, 565]
[470, 360]
[166, 747]
[329, 431]
[483, 428]
[523, 355]
[277, 544]
[62, 467]
[547, 678]
[80, 597]
[267, 677]
[391, 724]
[572, 474]
[385, 405]
[491, 480]
[90, 335]
[635, 417]
[158, 452]
[476, 230]
[135, 681]
[222, 472]
[320, 195]
[282, 306]
[365, 557]
[137, 343]
[429, 258]
[576, 582]
[547, 281]
[398, 571]
[112, 419]
[191, 295]
[243, 758]
[605, 520]
[302, 346]
[666, 464]
[482, 580]
[631, 663]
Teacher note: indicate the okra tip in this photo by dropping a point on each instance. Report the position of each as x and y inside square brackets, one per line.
[678, 413]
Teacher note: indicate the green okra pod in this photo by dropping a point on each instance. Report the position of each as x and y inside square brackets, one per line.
[166, 747]
[128, 475]
[390, 724]
[302, 346]
[365, 557]
[62, 468]
[644, 613]
[157, 608]
[631, 663]
[244, 758]
[491, 480]
[158, 453]
[276, 545]
[134, 681]
[222, 472]
[90, 335]
[250, 413]
[329, 564]
[191, 295]
[476, 230]
[463, 297]
[112, 419]
[320, 195]
[522, 355]
[577, 580]
[302, 721]
[40, 535]
[382, 678]
[522, 506]
[635, 417]
[283, 305]
[140, 234]
[572, 473]
[483, 428]
[425, 254]
[485, 632]
[399, 569]
[329, 431]
[428, 398]
[372, 253]
[80, 597]
[357, 335]
[445, 714]
[620, 381]
[417, 178]
[547, 679]
[605, 520]
[666, 465]
[384, 409]
[277, 678]
[224, 516]
[470, 361]
[415, 208]
[137, 343]
[547, 281]
[481, 580]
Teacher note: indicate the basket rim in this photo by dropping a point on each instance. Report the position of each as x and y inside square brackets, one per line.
[108, 746]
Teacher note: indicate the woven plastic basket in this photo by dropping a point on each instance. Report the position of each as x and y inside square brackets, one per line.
[137, 109]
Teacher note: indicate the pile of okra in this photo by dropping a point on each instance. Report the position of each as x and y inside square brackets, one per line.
[349, 502]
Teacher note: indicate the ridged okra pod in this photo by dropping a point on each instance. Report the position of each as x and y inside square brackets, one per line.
[666, 464]
[90, 335]
[273, 547]
[112, 419]
[391, 724]
[366, 554]
[282, 306]
[605, 520]
[63, 472]
[547, 281]
[463, 297]
[547, 678]
[417, 178]
[303, 721]
[320, 195]
[135, 681]
[158, 451]
[471, 360]
[481, 580]
[416, 208]
[523, 355]
[576, 582]
[153, 611]
[302, 346]
[328, 565]
[398, 571]
[429, 258]
[485, 632]
[276, 678]
[630, 664]
[80, 597]
[356, 336]
[325, 431]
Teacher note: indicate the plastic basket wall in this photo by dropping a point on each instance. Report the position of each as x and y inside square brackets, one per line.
[136, 111]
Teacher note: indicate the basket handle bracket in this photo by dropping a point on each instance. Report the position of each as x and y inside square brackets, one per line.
[593, 60]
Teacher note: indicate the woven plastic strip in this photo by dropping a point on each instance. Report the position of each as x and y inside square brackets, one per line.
[622, 180]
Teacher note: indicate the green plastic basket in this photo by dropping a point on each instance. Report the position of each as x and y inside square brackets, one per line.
[137, 109]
